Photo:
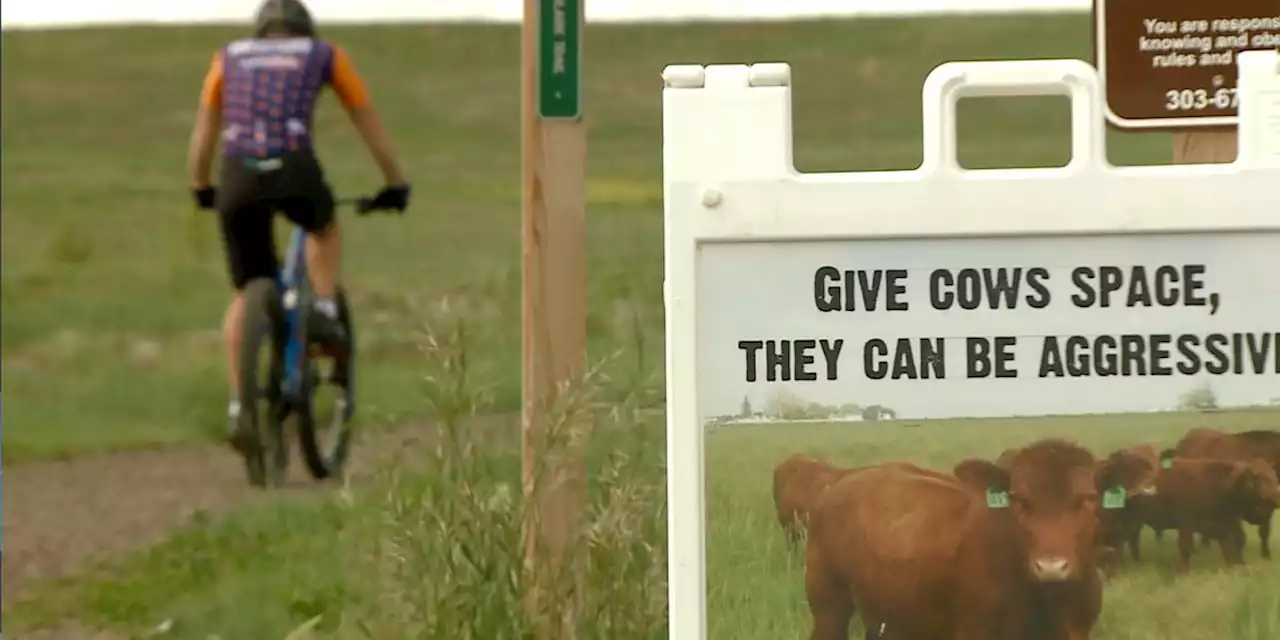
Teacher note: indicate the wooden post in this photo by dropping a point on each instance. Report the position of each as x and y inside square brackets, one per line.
[553, 195]
[1205, 147]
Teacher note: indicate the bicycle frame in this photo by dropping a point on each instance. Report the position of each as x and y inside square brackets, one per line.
[295, 292]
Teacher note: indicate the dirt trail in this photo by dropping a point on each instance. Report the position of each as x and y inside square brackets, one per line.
[64, 515]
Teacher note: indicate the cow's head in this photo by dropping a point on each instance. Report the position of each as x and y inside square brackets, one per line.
[1152, 458]
[1250, 486]
[1051, 489]
[1132, 471]
[1264, 444]
[1258, 478]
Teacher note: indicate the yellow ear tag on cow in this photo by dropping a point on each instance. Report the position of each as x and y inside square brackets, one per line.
[1113, 498]
[1166, 463]
[997, 499]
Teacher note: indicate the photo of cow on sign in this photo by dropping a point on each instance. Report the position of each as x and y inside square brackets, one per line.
[976, 451]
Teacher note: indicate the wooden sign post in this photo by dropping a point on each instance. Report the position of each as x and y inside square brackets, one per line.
[554, 295]
[1171, 66]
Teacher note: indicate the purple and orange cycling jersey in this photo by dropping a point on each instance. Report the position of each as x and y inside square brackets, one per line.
[267, 90]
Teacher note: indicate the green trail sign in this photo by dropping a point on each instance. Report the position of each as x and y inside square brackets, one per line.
[560, 59]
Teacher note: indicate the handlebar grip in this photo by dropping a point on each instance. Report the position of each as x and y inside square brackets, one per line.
[365, 205]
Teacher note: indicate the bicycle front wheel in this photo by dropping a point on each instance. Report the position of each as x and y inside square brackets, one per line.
[328, 404]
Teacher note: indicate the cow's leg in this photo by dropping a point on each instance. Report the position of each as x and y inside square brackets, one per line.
[1231, 539]
[1159, 533]
[1264, 536]
[831, 622]
[829, 601]
[1107, 559]
[1186, 544]
[1135, 540]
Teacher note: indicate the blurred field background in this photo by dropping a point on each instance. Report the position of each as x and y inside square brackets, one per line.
[113, 288]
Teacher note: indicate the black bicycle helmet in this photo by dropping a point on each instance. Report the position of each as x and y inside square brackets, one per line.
[284, 16]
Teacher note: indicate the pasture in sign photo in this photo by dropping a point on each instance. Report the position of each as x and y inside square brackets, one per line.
[865, 370]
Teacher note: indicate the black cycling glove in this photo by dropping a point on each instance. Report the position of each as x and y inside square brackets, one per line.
[205, 197]
[392, 197]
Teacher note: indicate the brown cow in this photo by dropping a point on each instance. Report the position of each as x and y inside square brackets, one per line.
[990, 554]
[1211, 497]
[798, 483]
[1242, 447]
[1116, 527]
[1148, 453]
[1148, 506]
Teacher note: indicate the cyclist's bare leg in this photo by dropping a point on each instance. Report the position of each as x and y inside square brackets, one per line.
[232, 336]
[324, 255]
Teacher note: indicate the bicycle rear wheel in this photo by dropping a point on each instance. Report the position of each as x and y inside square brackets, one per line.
[259, 435]
[328, 404]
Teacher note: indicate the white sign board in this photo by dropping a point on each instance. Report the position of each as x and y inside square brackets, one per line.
[940, 292]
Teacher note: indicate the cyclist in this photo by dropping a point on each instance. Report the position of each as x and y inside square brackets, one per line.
[259, 97]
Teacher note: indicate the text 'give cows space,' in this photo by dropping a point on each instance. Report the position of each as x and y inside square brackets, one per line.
[1250, 350]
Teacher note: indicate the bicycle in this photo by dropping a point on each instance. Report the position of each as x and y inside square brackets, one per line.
[276, 315]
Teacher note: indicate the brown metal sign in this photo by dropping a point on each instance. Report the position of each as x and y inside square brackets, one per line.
[1171, 64]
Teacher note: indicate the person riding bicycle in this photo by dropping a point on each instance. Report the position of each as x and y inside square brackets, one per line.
[259, 97]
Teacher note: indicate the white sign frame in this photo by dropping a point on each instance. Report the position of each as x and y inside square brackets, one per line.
[729, 177]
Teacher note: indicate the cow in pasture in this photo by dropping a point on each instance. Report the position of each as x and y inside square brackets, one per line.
[989, 552]
[798, 483]
[1120, 524]
[1158, 525]
[1146, 452]
[1242, 447]
[1212, 498]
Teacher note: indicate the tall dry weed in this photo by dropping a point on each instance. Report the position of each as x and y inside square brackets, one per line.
[438, 553]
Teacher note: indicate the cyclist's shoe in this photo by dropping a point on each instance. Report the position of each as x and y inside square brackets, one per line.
[328, 332]
[241, 435]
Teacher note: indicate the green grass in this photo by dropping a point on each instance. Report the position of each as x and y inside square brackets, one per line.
[113, 288]
[430, 549]
[756, 586]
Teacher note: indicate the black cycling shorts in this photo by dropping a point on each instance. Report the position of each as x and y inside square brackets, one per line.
[252, 191]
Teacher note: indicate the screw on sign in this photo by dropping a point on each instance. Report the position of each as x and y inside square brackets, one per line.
[1171, 64]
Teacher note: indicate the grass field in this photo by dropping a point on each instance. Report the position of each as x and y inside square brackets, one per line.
[428, 547]
[113, 290]
[756, 586]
